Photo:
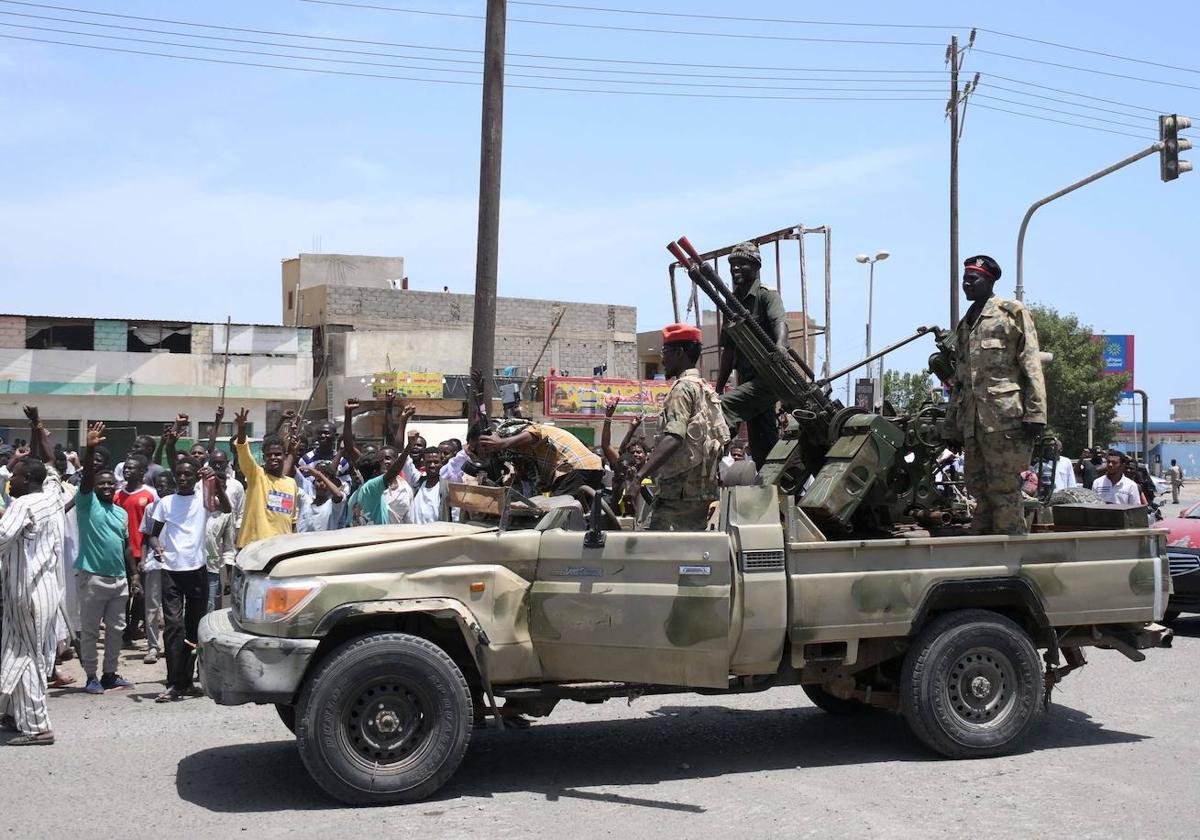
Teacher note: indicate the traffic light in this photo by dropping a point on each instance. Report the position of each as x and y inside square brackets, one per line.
[1169, 126]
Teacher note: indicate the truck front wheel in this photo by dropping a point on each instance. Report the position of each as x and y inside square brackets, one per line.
[972, 684]
[385, 719]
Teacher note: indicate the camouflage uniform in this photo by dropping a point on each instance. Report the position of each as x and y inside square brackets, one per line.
[687, 484]
[751, 400]
[998, 386]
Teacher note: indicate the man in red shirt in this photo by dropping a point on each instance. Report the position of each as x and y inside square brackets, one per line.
[135, 498]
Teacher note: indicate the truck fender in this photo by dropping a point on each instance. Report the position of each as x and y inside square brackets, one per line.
[473, 634]
[1012, 593]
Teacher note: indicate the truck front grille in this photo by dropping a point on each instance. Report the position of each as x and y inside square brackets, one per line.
[1183, 563]
[762, 561]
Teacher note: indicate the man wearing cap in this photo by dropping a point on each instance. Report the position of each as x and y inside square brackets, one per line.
[694, 434]
[999, 398]
[751, 400]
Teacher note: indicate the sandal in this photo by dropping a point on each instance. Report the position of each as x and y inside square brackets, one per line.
[171, 695]
[61, 681]
[40, 739]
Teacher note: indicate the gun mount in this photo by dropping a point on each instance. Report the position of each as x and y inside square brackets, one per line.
[867, 470]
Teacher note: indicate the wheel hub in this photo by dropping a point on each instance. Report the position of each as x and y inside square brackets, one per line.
[387, 722]
[981, 687]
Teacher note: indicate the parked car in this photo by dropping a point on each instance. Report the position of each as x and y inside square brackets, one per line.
[1183, 554]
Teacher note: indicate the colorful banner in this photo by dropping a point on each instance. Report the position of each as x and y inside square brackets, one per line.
[580, 399]
[424, 386]
[1118, 359]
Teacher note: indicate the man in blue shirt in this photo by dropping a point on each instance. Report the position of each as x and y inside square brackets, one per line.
[105, 569]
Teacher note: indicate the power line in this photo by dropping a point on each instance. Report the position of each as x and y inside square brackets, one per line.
[859, 24]
[473, 62]
[740, 18]
[541, 76]
[1058, 111]
[610, 28]
[327, 72]
[1062, 122]
[1070, 67]
[546, 57]
[985, 77]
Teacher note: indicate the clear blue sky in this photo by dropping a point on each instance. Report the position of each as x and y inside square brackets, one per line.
[142, 186]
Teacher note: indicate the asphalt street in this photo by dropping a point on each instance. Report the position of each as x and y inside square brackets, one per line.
[1115, 757]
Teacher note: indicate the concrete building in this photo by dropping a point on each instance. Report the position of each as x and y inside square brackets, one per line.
[367, 323]
[1185, 408]
[137, 375]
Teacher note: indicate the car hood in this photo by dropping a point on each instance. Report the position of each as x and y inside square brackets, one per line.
[259, 555]
[1184, 533]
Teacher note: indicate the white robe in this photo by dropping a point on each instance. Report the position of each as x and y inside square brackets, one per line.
[31, 544]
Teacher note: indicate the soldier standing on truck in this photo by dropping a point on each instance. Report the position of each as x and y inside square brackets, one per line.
[752, 400]
[999, 399]
[694, 435]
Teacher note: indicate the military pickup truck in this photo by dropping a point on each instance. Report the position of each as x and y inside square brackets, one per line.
[383, 647]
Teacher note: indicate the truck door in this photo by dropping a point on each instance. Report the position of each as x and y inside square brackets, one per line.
[648, 607]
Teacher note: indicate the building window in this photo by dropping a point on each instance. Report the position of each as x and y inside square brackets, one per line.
[47, 334]
[291, 301]
[151, 336]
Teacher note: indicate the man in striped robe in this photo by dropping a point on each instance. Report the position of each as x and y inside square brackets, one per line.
[31, 540]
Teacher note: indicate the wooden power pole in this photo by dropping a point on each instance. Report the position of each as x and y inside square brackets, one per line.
[483, 339]
[957, 98]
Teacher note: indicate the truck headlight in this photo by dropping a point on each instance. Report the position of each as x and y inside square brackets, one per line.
[267, 599]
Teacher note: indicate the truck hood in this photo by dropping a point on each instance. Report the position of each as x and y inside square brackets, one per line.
[259, 555]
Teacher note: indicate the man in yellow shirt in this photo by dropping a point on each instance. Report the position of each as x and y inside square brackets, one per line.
[270, 495]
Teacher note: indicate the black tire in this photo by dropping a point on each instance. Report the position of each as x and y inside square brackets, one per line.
[825, 701]
[287, 714]
[417, 732]
[972, 685]
[1075, 496]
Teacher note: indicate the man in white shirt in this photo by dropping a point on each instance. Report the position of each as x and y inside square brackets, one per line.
[1064, 470]
[1114, 487]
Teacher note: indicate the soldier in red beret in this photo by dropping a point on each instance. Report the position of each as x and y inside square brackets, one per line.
[686, 457]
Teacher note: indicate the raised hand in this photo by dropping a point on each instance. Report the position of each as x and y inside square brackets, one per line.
[95, 435]
[241, 417]
[389, 395]
[31, 411]
[407, 413]
[181, 421]
[220, 413]
[169, 432]
[352, 405]
[610, 407]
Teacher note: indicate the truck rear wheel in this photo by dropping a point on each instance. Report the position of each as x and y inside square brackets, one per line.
[287, 714]
[386, 719]
[972, 684]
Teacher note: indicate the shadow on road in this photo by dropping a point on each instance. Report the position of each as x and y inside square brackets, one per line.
[671, 743]
[1187, 626]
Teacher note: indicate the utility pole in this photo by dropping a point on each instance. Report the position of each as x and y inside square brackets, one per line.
[483, 338]
[957, 97]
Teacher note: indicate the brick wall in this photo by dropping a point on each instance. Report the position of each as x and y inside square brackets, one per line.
[12, 331]
[111, 335]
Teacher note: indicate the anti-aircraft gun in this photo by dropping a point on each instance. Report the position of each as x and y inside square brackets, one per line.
[867, 470]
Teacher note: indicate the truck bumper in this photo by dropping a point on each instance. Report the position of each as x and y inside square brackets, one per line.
[237, 667]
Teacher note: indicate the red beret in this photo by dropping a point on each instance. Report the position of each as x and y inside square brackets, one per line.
[681, 332]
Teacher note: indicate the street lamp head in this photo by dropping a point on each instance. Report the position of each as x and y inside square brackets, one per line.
[862, 258]
[883, 255]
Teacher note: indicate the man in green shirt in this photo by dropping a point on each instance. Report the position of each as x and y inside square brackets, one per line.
[752, 400]
[105, 569]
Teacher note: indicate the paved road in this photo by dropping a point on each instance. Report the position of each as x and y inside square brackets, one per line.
[1115, 757]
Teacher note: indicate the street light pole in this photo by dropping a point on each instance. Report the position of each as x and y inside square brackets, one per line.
[870, 262]
[1096, 176]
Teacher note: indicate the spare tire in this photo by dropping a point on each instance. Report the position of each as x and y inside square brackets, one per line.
[1075, 496]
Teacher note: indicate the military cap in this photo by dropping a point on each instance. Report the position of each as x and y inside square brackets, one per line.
[986, 266]
[679, 333]
[746, 251]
